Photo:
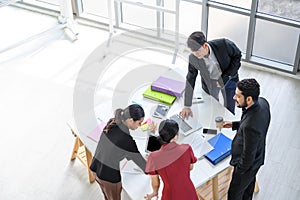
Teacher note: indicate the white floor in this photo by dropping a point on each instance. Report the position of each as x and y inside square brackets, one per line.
[36, 99]
[37, 81]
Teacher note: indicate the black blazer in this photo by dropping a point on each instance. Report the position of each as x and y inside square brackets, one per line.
[229, 58]
[113, 147]
[248, 145]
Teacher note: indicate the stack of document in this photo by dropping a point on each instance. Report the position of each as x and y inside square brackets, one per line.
[159, 96]
[168, 86]
[165, 90]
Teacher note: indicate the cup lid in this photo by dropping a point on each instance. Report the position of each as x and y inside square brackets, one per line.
[219, 119]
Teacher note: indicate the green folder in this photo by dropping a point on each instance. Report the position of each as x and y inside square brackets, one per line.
[159, 96]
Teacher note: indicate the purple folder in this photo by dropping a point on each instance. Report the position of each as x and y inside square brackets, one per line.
[168, 86]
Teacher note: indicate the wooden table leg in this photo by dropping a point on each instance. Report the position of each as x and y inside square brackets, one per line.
[89, 158]
[75, 148]
[83, 154]
[215, 188]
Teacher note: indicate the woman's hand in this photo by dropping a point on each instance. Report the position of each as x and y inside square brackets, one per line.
[152, 127]
[150, 196]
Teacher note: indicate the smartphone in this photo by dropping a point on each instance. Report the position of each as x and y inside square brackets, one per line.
[210, 131]
[161, 111]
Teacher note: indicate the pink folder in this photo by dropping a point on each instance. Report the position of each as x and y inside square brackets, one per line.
[168, 86]
[95, 134]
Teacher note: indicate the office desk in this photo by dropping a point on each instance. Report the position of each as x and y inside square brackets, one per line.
[203, 169]
[135, 183]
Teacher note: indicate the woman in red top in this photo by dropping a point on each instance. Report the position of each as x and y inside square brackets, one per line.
[172, 162]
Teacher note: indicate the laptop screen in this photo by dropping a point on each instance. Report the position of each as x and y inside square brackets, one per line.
[185, 127]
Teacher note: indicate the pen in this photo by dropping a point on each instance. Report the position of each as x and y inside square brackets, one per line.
[99, 119]
[197, 98]
[134, 102]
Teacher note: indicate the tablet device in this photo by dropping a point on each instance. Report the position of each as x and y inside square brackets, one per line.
[186, 126]
[161, 111]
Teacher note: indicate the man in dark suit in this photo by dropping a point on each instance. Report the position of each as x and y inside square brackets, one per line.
[248, 145]
[218, 62]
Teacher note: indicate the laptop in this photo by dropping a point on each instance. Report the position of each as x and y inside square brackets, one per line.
[159, 96]
[186, 126]
[153, 144]
[168, 86]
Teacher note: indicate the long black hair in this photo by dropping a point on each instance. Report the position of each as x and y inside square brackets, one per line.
[134, 111]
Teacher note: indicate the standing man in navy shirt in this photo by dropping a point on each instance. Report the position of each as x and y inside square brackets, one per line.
[218, 62]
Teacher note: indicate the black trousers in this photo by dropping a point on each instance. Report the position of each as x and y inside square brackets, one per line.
[228, 91]
[242, 185]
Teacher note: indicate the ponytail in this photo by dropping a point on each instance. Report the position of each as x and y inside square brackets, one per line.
[133, 111]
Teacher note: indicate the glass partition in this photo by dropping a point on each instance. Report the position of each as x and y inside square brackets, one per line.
[283, 8]
[229, 25]
[275, 42]
[44, 3]
[138, 16]
[97, 8]
[190, 16]
[238, 3]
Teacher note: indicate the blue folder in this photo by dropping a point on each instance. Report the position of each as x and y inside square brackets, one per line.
[222, 148]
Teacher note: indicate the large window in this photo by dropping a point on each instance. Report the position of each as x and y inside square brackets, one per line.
[138, 16]
[289, 9]
[96, 8]
[266, 31]
[280, 47]
[49, 4]
[238, 3]
[190, 16]
[229, 25]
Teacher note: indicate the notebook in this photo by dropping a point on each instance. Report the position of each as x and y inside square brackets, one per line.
[159, 96]
[200, 145]
[222, 148]
[186, 126]
[153, 144]
[168, 86]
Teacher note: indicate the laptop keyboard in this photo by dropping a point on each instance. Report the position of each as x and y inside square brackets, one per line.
[182, 124]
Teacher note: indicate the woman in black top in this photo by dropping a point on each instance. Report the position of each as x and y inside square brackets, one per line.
[114, 145]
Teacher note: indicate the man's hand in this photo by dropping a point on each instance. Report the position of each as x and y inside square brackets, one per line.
[185, 113]
[227, 124]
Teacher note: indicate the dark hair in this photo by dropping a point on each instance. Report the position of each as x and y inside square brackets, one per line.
[249, 87]
[168, 129]
[196, 40]
[134, 111]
